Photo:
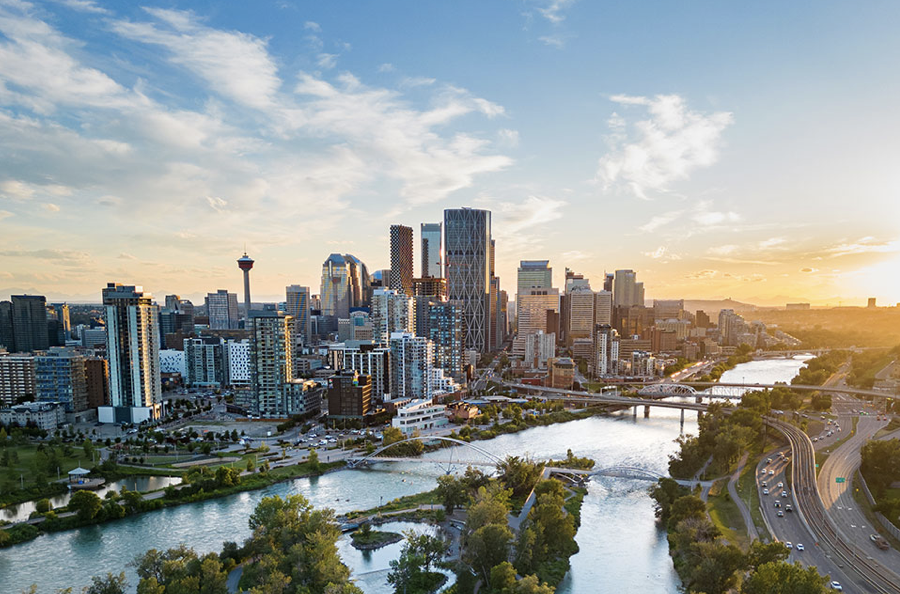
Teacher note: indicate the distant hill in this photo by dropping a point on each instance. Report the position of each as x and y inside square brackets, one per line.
[712, 306]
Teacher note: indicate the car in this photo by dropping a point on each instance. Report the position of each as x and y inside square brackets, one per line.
[780, 484]
[880, 542]
[788, 508]
[765, 491]
[780, 514]
[784, 494]
[765, 484]
[777, 503]
[815, 439]
[800, 546]
[836, 586]
[768, 460]
[789, 545]
[771, 473]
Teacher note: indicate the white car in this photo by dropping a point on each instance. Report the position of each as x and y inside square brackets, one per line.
[771, 473]
[789, 545]
[765, 491]
[800, 546]
[837, 586]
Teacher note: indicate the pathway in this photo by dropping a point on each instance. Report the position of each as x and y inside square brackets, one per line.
[752, 532]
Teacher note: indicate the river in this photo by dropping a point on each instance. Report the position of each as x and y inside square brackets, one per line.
[621, 547]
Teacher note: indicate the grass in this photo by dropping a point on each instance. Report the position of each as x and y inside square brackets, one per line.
[821, 458]
[374, 537]
[726, 516]
[401, 503]
[748, 491]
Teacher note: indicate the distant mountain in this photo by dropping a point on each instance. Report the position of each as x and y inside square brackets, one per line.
[51, 297]
[712, 306]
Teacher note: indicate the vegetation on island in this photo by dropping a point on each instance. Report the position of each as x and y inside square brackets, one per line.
[366, 539]
[708, 564]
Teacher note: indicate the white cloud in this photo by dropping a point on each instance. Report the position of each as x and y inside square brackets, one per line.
[575, 255]
[312, 26]
[552, 10]
[863, 245]
[662, 253]
[659, 221]
[508, 138]
[724, 250]
[552, 40]
[386, 67]
[50, 207]
[667, 147]
[84, 6]
[327, 61]
[711, 218]
[16, 190]
[236, 65]
[5, 214]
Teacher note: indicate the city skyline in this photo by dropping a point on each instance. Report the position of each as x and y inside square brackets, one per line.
[147, 159]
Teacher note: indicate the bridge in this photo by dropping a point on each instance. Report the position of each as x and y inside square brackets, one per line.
[745, 386]
[669, 389]
[605, 399]
[491, 459]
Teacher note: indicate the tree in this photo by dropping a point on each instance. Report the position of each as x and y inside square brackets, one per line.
[111, 584]
[430, 548]
[779, 577]
[85, 504]
[689, 506]
[715, 566]
[762, 553]
[42, 506]
[881, 463]
[313, 461]
[486, 547]
[452, 492]
[665, 492]
[88, 447]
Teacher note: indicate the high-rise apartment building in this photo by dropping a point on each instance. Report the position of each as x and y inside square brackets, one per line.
[204, 361]
[580, 305]
[372, 360]
[392, 311]
[222, 309]
[430, 286]
[627, 292]
[271, 361]
[17, 380]
[606, 350]
[467, 255]
[432, 256]
[668, 309]
[412, 360]
[60, 377]
[447, 333]
[29, 321]
[64, 320]
[349, 395]
[401, 259]
[96, 374]
[132, 348]
[7, 337]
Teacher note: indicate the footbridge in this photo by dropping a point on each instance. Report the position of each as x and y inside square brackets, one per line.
[486, 457]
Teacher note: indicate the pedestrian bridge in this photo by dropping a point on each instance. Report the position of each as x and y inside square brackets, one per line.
[668, 390]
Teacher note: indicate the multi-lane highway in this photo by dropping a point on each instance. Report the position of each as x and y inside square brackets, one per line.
[863, 571]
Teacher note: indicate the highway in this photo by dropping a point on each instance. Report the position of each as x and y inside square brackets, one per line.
[862, 571]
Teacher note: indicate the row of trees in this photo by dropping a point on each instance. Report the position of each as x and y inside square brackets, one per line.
[881, 468]
[707, 564]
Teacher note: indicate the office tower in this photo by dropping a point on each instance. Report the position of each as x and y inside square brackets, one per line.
[467, 252]
[222, 309]
[345, 284]
[701, 319]
[608, 281]
[401, 259]
[271, 360]
[606, 350]
[412, 360]
[580, 302]
[603, 307]
[17, 380]
[447, 334]
[64, 320]
[349, 395]
[668, 309]
[60, 377]
[96, 378]
[29, 320]
[172, 302]
[245, 263]
[533, 307]
[7, 336]
[132, 348]
[432, 257]
[372, 360]
[297, 304]
[204, 362]
[534, 274]
[391, 311]
[627, 292]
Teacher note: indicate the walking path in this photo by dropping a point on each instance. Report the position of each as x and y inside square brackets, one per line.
[752, 532]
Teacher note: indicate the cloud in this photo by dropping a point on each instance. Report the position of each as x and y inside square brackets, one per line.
[327, 61]
[703, 274]
[52, 255]
[715, 218]
[50, 207]
[665, 148]
[552, 10]
[556, 41]
[508, 138]
[659, 221]
[809, 270]
[575, 255]
[84, 6]
[126, 256]
[864, 245]
[312, 26]
[724, 250]
[216, 203]
[386, 67]
[5, 214]
[236, 65]
[16, 190]
[662, 253]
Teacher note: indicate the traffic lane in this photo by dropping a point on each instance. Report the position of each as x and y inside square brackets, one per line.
[789, 527]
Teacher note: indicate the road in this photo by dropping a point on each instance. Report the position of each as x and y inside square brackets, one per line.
[864, 573]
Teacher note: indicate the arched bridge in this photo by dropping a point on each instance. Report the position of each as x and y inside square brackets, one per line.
[628, 472]
[492, 459]
[669, 389]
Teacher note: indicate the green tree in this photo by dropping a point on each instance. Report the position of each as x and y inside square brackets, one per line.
[111, 584]
[486, 547]
[451, 491]
[85, 504]
[761, 553]
[714, 568]
[42, 506]
[88, 447]
[881, 464]
[779, 577]
[430, 548]
[313, 461]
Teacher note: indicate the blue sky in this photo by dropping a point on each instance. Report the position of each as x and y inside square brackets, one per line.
[721, 150]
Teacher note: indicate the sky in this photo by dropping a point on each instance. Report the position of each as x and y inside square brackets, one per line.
[720, 150]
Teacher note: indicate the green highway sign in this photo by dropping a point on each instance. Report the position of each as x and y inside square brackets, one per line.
[840, 479]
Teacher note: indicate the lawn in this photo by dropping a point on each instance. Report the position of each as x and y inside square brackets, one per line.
[34, 469]
[726, 516]
[749, 492]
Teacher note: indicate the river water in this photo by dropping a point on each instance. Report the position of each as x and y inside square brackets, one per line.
[622, 549]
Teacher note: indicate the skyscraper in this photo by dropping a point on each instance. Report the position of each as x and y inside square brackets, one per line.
[401, 259]
[432, 256]
[533, 307]
[271, 361]
[29, 320]
[222, 309]
[392, 311]
[467, 252]
[534, 274]
[60, 377]
[412, 358]
[627, 292]
[345, 284]
[132, 346]
[297, 304]
[447, 333]
[7, 335]
[245, 263]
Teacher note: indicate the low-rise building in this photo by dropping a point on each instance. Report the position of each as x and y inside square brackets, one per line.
[562, 373]
[420, 415]
[45, 415]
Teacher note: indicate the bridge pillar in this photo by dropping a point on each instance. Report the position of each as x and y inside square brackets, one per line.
[646, 411]
[634, 411]
[682, 417]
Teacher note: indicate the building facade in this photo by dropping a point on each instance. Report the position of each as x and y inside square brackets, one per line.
[271, 361]
[412, 360]
[60, 377]
[401, 259]
[467, 253]
[222, 309]
[432, 254]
